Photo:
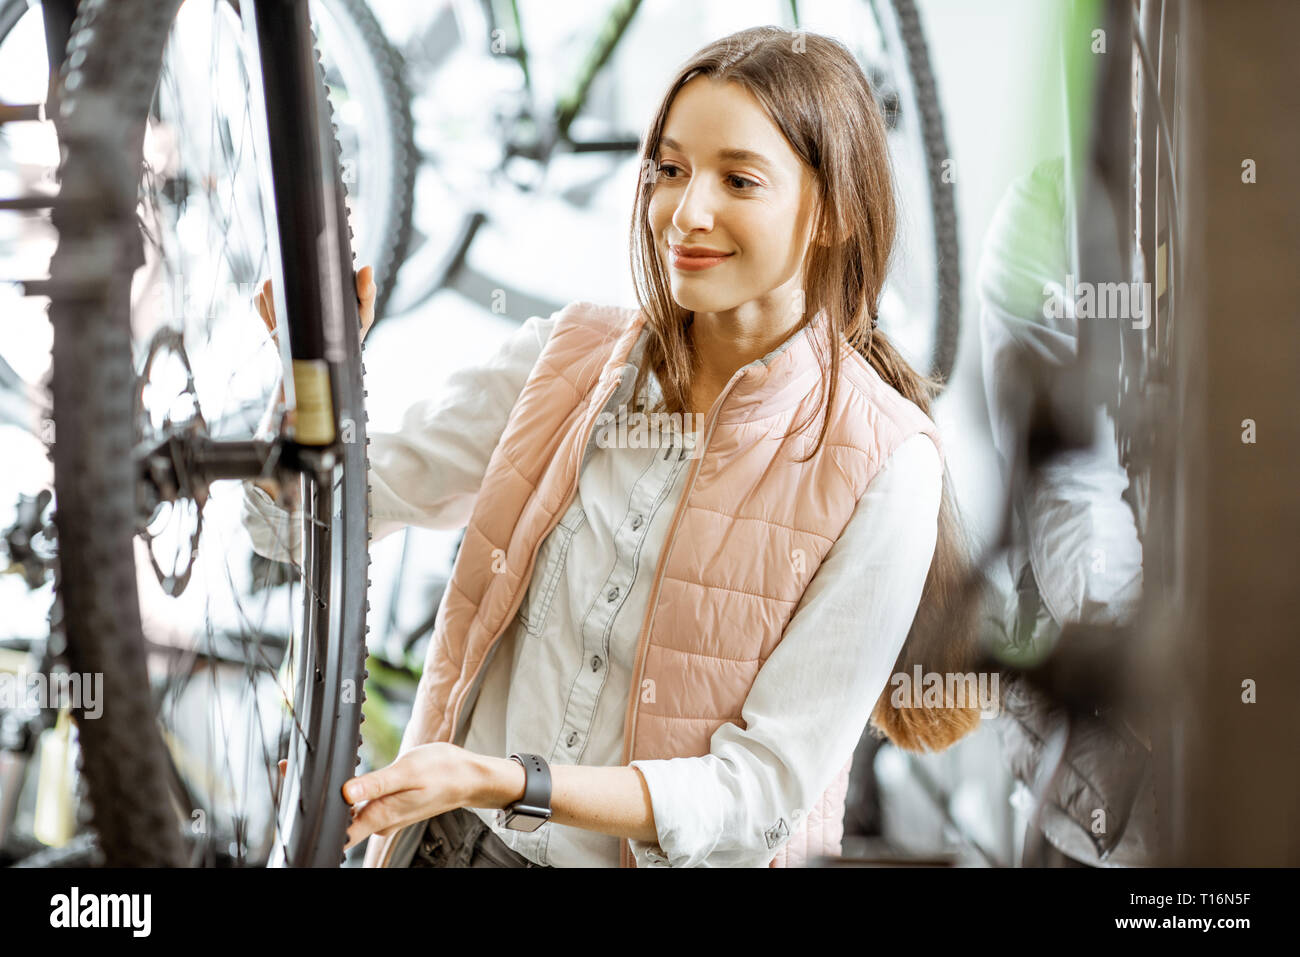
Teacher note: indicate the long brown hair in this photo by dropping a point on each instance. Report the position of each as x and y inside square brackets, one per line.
[795, 75]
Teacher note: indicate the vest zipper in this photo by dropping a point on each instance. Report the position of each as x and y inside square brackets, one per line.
[629, 722]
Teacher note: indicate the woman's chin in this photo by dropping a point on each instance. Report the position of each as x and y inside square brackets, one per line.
[693, 301]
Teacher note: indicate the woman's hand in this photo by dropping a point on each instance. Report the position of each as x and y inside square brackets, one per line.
[422, 783]
[365, 279]
[265, 302]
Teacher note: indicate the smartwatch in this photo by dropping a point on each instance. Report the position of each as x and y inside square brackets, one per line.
[533, 809]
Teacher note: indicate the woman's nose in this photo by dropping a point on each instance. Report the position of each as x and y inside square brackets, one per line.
[695, 211]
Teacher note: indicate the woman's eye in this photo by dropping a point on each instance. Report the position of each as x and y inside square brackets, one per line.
[741, 183]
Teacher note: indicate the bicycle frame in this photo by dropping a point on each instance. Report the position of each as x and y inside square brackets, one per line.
[570, 101]
[307, 296]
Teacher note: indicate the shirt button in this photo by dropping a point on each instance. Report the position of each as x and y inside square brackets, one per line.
[595, 662]
[636, 522]
[573, 738]
[612, 594]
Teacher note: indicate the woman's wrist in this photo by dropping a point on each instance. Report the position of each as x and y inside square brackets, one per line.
[493, 782]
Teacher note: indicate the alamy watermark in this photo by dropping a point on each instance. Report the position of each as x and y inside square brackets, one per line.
[130, 911]
[1099, 300]
[649, 430]
[37, 690]
[953, 689]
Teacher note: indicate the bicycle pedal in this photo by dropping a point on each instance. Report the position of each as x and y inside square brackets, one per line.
[75, 203]
[22, 112]
[86, 287]
[32, 201]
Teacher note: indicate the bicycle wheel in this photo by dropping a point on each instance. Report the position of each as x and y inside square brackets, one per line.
[160, 209]
[916, 122]
[372, 108]
[920, 304]
[365, 77]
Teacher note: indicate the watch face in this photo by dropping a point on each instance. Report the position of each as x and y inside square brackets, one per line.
[523, 818]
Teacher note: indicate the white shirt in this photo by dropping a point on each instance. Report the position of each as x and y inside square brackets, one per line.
[558, 681]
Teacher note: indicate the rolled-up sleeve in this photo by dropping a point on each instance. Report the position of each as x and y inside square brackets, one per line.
[429, 471]
[276, 532]
[811, 700]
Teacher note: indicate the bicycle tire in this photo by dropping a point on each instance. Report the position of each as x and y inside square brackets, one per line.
[124, 761]
[11, 11]
[943, 206]
[395, 227]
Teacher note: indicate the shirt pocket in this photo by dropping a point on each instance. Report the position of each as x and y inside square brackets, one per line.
[548, 571]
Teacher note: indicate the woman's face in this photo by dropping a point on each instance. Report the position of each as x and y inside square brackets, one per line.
[729, 181]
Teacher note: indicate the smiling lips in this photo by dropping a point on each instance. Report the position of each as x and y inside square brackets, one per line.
[695, 258]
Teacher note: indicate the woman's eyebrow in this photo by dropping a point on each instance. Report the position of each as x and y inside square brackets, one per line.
[740, 156]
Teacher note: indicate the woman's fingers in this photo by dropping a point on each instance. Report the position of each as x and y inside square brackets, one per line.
[266, 306]
[366, 291]
[385, 816]
[375, 784]
[265, 301]
[373, 817]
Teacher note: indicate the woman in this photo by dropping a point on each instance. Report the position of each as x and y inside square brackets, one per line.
[697, 623]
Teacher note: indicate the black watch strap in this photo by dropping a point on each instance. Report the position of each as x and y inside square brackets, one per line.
[533, 809]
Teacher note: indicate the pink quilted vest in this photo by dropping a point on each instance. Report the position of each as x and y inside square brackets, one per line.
[749, 534]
